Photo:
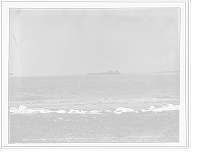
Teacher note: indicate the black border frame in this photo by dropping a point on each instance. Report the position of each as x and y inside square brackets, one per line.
[83, 5]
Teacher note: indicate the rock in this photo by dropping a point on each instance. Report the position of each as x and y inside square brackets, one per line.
[73, 111]
[22, 108]
[61, 111]
[94, 111]
[152, 107]
[13, 109]
[124, 109]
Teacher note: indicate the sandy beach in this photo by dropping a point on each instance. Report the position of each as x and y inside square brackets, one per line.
[143, 127]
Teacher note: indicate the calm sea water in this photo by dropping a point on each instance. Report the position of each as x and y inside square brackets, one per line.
[94, 91]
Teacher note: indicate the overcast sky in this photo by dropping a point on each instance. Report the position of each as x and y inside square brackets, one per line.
[73, 42]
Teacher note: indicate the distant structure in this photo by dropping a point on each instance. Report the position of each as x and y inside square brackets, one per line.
[105, 73]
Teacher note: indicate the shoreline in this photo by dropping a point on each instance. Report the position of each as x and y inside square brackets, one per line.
[129, 127]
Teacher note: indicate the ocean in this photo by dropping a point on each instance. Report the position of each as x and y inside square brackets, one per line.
[94, 91]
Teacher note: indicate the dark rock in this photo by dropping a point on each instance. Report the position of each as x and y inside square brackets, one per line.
[13, 109]
[61, 111]
[22, 108]
[124, 109]
[152, 107]
[94, 111]
[74, 111]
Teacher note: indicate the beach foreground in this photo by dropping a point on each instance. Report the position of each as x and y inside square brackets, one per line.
[129, 127]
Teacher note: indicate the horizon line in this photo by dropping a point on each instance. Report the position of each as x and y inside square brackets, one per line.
[92, 72]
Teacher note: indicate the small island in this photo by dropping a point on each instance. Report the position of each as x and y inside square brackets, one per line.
[105, 73]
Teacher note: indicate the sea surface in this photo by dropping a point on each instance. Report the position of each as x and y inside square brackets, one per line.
[98, 92]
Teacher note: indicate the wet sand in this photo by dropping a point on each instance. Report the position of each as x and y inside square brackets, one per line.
[143, 127]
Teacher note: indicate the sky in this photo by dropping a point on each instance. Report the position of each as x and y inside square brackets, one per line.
[76, 42]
